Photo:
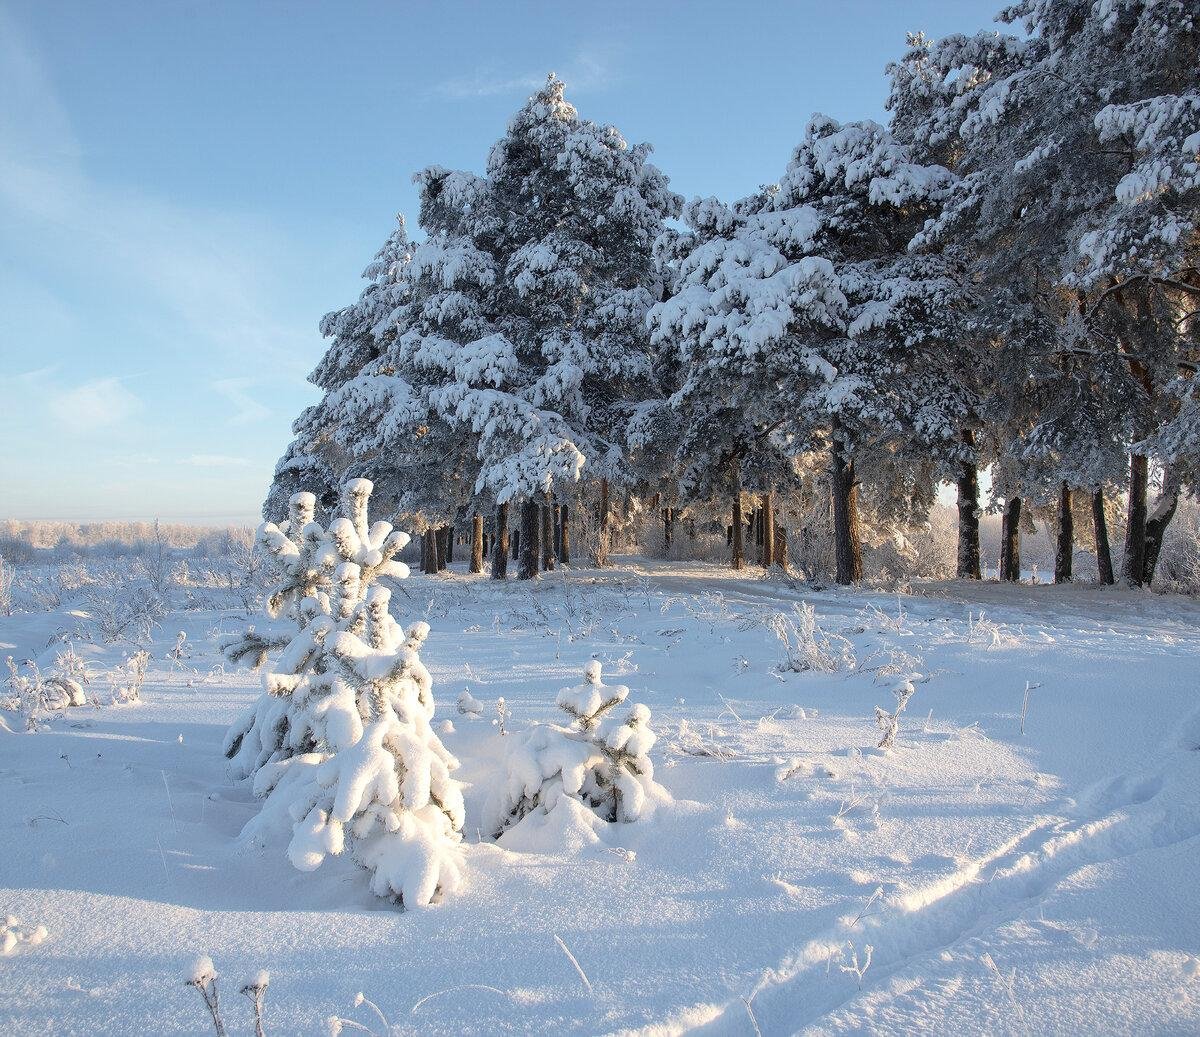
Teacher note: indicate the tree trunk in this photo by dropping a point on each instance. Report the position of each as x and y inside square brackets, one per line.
[1064, 551]
[1100, 528]
[1157, 522]
[449, 544]
[516, 540]
[602, 537]
[668, 516]
[968, 516]
[781, 557]
[477, 543]
[439, 541]
[531, 519]
[557, 513]
[500, 553]
[729, 536]
[847, 536]
[429, 553]
[564, 546]
[767, 510]
[548, 535]
[738, 550]
[1133, 565]
[1010, 542]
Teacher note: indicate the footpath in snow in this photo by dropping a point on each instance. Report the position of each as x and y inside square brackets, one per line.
[1024, 860]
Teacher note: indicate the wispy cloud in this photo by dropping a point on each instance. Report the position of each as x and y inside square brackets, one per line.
[584, 73]
[204, 274]
[246, 408]
[94, 405]
[216, 461]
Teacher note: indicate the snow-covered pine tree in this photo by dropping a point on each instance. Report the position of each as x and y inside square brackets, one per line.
[521, 337]
[1075, 147]
[599, 758]
[340, 743]
[800, 312]
[329, 436]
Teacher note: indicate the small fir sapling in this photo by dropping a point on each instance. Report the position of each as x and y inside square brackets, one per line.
[14, 935]
[127, 679]
[599, 758]
[889, 723]
[469, 705]
[340, 742]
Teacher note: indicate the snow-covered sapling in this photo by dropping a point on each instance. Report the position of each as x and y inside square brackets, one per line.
[889, 723]
[340, 742]
[469, 705]
[599, 758]
[14, 935]
[127, 678]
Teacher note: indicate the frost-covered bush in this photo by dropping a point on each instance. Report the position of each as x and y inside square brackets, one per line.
[806, 646]
[14, 935]
[33, 694]
[126, 680]
[124, 607]
[1179, 560]
[600, 758]
[340, 743]
[889, 723]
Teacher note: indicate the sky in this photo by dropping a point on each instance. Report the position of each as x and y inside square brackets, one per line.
[187, 186]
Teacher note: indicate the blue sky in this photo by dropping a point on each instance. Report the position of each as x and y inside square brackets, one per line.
[186, 186]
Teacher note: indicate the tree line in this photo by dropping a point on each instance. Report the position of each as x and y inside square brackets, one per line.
[1005, 276]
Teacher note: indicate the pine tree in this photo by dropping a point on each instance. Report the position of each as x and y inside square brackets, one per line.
[598, 758]
[1076, 185]
[804, 321]
[340, 741]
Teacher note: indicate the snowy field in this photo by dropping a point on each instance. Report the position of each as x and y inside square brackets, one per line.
[1005, 882]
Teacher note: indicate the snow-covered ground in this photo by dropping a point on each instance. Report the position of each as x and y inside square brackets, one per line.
[1042, 882]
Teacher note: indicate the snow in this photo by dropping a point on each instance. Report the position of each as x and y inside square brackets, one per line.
[1041, 882]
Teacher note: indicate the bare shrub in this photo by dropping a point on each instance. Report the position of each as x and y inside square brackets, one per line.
[806, 646]
[121, 607]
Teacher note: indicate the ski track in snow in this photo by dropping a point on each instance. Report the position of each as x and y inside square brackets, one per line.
[1065, 858]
